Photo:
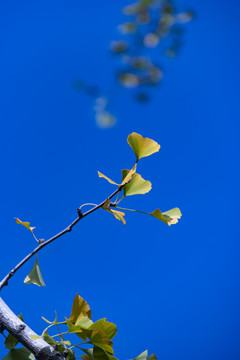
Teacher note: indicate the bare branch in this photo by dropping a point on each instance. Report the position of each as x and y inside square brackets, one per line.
[42, 243]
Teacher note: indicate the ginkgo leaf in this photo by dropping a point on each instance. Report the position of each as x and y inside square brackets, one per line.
[119, 215]
[142, 356]
[102, 354]
[141, 146]
[79, 330]
[136, 186]
[152, 357]
[80, 309]
[26, 224]
[88, 352]
[85, 357]
[105, 177]
[53, 342]
[36, 337]
[128, 176]
[100, 339]
[19, 354]
[109, 328]
[35, 276]
[169, 217]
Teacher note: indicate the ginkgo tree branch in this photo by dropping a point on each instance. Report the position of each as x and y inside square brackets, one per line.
[23, 333]
[43, 243]
[132, 184]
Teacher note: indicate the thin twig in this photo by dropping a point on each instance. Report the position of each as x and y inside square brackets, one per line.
[41, 245]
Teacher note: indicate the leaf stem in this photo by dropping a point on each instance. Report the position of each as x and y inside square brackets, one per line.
[77, 346]
[141, 212]
[87, 204]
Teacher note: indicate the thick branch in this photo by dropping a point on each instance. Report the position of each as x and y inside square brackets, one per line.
[22, 332]
[41, 245]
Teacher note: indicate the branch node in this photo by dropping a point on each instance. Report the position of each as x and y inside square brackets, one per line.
[69, 229]
[80, 214]
[41, 241]
[47, 353]
[20, 328]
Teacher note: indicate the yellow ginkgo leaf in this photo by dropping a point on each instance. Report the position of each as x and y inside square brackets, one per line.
[128, 176]
[26, 224]
[119, 215]
[80, 309]
[137, 185]
[141, 146]
[169, 217]
[105, 177]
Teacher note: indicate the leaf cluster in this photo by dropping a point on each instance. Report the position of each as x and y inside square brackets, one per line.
[96, 337]
[133, 183]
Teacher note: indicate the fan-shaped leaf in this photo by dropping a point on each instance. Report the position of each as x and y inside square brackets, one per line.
[26, 224]
[100, 339]
[129, 175]
[80, 309]
[35, 276]
[119, 215]
[19, 354]
[105, 177]
[142, 356]
[101, 354]
[169, 217]
[152, 357]
[109, 328]
[136, 186]
[141, 146]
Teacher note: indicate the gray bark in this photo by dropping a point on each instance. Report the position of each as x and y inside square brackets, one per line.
[22, 332]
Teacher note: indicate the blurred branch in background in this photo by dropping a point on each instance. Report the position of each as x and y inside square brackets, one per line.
[154, 29]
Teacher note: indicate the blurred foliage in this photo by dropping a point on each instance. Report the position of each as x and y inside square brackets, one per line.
[153, 28]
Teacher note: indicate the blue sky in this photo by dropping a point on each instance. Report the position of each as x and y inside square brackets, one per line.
[171, 290]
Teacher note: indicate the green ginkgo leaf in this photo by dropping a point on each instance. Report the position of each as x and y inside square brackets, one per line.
[88, 352]
[35, 276]
[19, 354]
[109, 328]
[80, 310]
[152, 357]
[100, 339]
[107, 178]
[101, 354]
[26, 224]
[137, 185]
[169, 217]
[142, 356]
[141, 146]
[119, 215]
[85, 357]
